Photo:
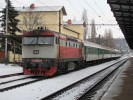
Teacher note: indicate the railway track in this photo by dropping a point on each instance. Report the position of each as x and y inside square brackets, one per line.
[13, 79]
[10, 75]
[15, 82]
[90, 92]
[79, 89]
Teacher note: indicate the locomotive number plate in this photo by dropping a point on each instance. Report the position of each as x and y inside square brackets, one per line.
[35, 51]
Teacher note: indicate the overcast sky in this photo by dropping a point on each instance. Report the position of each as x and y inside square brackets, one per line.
[96, 9]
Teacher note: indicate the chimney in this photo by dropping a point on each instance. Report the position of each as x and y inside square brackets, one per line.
[69, 21]
[32, 6]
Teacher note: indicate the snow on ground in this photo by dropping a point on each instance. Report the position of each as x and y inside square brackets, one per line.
[45, 87]
[9, 69]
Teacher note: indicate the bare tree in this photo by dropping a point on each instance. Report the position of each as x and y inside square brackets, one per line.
[105, 38]
[93, 31]
[108, 38]
[85, 19]
[32, 19]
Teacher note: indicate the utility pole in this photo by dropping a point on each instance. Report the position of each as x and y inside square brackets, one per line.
[59, 21]
[59, 30]
[6, 30]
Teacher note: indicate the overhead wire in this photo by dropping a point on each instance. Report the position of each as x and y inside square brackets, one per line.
[76, 10]
[93, 10]
[61, 3]
[100, 10]
[41, 2]
[44, 4]
[73, 8]
[21, 3]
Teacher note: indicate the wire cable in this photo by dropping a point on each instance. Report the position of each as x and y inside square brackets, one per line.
[71, 7]
[100, 10]
[93, 10]
[21, 3]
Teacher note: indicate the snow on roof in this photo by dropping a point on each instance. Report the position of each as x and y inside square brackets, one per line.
[42, 8]
[90, 44]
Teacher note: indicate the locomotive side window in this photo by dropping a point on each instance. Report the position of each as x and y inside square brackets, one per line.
[73, 44]
[57, 40]
[66, 44]
[69, 44]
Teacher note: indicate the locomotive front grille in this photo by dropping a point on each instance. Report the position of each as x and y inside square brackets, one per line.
[38, 72]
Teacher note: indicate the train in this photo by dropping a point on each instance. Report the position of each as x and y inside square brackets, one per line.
[46, 53]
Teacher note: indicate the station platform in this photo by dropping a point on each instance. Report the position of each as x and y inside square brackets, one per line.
[121, 87]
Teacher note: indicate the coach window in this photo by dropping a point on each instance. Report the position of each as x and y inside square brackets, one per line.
[66, 43]
[78, 45]
[69, 44]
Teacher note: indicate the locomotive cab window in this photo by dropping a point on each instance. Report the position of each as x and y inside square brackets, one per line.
[30, 40]
[38, 40]
[45, 40]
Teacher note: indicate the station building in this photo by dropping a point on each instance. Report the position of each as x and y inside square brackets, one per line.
[49, 17]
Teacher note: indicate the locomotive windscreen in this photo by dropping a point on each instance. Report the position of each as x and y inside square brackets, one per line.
[38, 40]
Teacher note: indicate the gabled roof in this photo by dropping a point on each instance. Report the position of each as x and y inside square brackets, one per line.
[42, 8]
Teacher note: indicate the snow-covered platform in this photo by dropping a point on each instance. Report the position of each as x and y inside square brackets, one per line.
[122, 86]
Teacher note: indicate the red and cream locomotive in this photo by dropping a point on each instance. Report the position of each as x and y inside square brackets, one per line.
[45, 52]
